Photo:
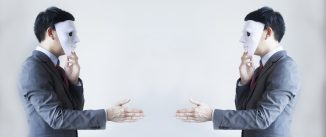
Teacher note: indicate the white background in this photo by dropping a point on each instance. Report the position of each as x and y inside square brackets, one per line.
[160, 53]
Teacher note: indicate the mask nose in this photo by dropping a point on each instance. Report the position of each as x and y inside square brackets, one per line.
[242, 39]
[76, 40]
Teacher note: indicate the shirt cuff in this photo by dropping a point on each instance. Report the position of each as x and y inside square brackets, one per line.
[79, 83]
[106, 114]
[213, 114]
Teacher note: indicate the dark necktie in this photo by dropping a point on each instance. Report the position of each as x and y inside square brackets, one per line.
[62, 74]
[66, 84]
[255, 76]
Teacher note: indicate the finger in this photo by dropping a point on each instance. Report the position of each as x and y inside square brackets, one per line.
[179, 114]
[133, 110]
[183, 118]
[134, 114]
[72, 57]
[71, 61]
[118, 120]
[251, 64]
[186, 110]
[131, 118]
[246, 57]
[73, 52]
[67, 64]
[123, 102]
[185, 114]
[197, 103]
[246, 61]
[244, 54]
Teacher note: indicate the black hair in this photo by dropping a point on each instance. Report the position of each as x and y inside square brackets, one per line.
[270, 18]
[48, 18]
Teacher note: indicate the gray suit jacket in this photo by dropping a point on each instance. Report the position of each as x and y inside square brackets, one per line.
[53, 108]
[266, 111]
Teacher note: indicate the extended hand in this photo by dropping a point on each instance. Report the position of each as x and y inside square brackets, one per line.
[72, 68]
[246, 68]
[120, 113]
[199, 113]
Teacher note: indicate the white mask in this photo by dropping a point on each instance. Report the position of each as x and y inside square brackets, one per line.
[252, 33]
[67, 34]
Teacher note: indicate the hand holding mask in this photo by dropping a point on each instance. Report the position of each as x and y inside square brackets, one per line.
[252, 34]
[68, 38]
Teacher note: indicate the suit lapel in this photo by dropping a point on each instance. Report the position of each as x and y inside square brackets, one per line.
[45, 59]
[49, 64]
[274, 58]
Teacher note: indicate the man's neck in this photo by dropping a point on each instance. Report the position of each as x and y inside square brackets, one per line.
[47, 47]
[51, 56]
[267, 56]
[269, 48]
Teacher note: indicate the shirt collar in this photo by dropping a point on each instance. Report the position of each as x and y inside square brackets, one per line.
[52, 57]
[266, 57]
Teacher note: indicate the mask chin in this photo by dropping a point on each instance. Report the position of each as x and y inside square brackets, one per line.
[245, 48]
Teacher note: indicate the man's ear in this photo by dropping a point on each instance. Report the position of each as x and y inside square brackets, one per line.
[269, 32]
[50, 33]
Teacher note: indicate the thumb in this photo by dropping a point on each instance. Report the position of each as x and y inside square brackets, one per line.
[122, 102]
[197, 103]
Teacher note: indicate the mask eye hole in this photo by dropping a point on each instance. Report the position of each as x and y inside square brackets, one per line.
[70, 34]
[248, 34]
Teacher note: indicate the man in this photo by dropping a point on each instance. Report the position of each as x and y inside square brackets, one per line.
[265, 98]
[53, 96]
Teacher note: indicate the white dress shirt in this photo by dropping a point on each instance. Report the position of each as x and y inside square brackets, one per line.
[52, 57]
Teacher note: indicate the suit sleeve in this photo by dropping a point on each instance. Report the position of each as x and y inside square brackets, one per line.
[282, 86]
[78, 94]
[38, 90]
[241, 95]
